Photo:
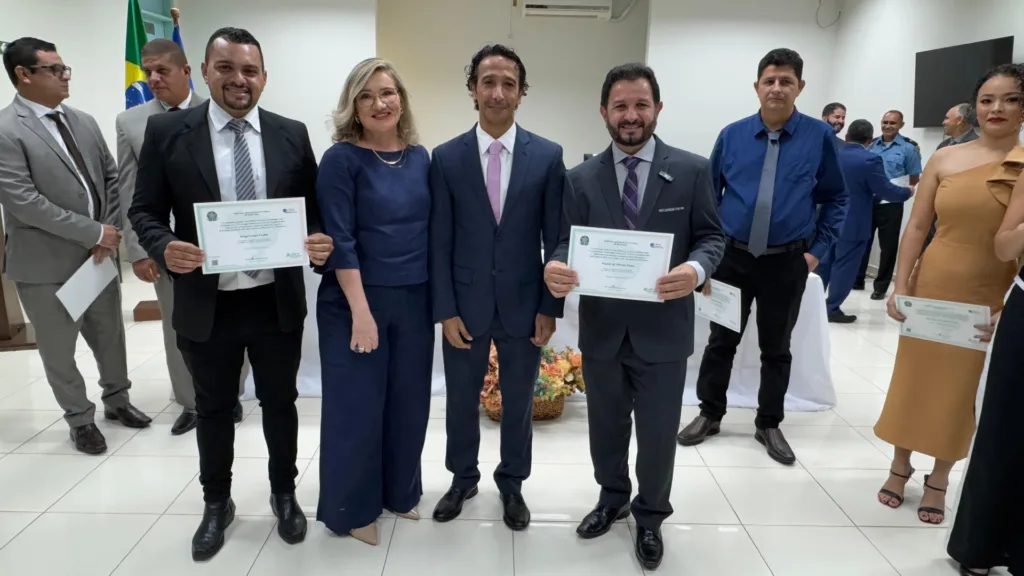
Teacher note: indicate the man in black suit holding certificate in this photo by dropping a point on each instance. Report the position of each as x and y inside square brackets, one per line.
[231, 150]
[634, 352]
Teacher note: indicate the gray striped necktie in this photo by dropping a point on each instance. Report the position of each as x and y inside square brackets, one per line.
[245, 181]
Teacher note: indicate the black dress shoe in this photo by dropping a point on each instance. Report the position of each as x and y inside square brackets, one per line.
[209, 538]
[88, 439]
[128, 415]
[858, 286]
[450, 505]
[775, 443]
[696, 431]
[517, 514]
[600, 521]
[185, 422]
[649, 547]
[878, 295]
[237, 413]
[291, 522]
[842, 318]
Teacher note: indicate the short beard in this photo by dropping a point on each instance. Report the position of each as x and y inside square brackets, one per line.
[646, 133]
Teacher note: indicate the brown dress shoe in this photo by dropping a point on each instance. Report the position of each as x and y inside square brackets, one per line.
[696, 431]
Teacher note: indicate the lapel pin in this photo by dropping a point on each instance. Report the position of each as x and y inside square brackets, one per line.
[666, 176]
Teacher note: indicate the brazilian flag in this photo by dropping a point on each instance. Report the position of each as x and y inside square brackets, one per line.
[136, 91]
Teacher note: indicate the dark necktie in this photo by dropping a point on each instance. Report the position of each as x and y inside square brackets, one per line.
[173, 109]
[631, 193]
[79, 160]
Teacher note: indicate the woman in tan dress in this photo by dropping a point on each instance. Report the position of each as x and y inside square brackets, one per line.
[930, 404]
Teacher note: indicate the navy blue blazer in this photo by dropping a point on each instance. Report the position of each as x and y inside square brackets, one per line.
[864, 172]
[478, 266]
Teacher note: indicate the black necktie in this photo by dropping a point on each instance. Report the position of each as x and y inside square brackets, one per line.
[76, 156]
[173, 109]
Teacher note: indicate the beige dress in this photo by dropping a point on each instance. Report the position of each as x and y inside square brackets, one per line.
[930, 404]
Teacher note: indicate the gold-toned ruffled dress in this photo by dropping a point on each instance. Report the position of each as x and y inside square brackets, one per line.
[930, 404]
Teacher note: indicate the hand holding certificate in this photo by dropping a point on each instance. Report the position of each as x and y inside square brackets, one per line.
[252, 235]
[625, 264]
[946, 322]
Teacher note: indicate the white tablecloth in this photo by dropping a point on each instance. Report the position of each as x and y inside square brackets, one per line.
[810, 384]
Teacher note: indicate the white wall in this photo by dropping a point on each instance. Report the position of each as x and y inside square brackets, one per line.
[309, 47]
[876, 49]
[706, 55]
[90, 39]
[566, 61]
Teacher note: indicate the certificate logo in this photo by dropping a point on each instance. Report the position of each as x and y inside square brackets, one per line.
[584, 240]
[656, 245]
[289, 210]
[211, 216]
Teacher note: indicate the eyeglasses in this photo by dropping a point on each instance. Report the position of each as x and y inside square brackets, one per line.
[58, 70]
[366, 100]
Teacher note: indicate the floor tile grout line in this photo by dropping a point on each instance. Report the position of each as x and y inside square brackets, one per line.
[136, 545]
[758, 548]
[13, 538]
[256, 558]
[877, 549]
[387, 553]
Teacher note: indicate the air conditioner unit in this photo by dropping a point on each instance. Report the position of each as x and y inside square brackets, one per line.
[599, 9]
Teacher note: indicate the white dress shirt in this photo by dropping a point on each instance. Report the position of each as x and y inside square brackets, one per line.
[223, 140]
[508, 140]
[41, 111]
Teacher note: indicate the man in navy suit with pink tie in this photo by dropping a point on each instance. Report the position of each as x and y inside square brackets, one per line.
[496, 197]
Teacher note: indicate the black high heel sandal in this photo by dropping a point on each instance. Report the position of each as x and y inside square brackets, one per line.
[894, 497]
[930, 510]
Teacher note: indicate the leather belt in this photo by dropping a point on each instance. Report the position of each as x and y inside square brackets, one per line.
[794, 246]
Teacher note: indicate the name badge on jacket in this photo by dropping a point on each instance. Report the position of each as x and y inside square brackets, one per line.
[676, 209]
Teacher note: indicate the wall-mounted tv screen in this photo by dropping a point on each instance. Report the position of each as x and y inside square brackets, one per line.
[947, 76]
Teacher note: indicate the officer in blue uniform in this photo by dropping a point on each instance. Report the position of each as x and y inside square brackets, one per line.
[902, 158]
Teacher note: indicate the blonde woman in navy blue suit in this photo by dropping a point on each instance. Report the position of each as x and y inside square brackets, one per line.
[373, 307]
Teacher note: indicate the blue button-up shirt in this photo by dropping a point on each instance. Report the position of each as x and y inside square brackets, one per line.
[901, 158]
[808, 175]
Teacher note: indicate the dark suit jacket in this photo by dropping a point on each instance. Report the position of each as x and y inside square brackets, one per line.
[686, 206]
[177, 170]
[478, 265]
[864, 172]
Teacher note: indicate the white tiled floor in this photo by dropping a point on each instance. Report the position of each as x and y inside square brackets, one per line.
[132, 511]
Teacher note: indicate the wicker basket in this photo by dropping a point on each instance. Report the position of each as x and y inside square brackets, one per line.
[542, 409]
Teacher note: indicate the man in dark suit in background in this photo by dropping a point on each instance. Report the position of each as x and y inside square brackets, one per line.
[230, 150]
[496, 193]
[865, 181]
[634, 353]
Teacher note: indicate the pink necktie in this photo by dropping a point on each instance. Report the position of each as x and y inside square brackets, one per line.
[494, 177]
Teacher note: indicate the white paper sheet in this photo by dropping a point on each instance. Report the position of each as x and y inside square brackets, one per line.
[85, 285]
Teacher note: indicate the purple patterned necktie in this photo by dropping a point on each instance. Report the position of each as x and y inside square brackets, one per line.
[630, 193]
[494, 177]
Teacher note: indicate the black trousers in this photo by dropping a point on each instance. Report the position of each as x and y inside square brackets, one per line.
[464, 372]
[245, 320]
[887, 219]
[616, 388]
[777, 283]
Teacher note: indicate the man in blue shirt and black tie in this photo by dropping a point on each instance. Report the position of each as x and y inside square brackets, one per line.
[769, 249]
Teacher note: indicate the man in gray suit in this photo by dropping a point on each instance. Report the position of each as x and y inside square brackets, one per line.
[634, 353]
[167, 73]
[58, 192]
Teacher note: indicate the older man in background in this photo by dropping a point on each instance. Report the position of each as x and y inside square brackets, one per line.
[167, 73]
[959, 125]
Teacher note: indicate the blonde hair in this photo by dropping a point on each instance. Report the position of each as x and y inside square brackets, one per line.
[346, 125]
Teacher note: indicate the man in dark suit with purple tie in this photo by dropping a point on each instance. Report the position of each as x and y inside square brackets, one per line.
[496, 197]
